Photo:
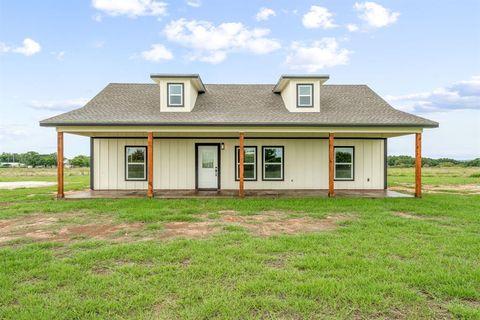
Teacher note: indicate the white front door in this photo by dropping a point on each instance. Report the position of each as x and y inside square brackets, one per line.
[207, 167]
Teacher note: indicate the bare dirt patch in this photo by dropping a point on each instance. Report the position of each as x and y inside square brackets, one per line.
[269, 223]
[192, 230]
[43, 227]
[79, 226]
[412, 216]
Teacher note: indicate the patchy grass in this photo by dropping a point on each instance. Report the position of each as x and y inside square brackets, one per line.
[392, 258]
[435, 176]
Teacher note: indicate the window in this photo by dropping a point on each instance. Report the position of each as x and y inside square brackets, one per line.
[175, 94]
[249, 163]
[272, 163]
[304, 95]
[136, 163]
[344, 163]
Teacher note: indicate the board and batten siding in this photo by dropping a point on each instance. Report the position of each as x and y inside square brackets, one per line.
[306, 164]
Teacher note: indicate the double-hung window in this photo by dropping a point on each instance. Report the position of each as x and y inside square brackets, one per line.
[249, 163]
[135, 163]
[344, 158]
[304, 95]
[273, 163]
[175, 94]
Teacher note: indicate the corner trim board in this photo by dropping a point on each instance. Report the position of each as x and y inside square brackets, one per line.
[92, 171]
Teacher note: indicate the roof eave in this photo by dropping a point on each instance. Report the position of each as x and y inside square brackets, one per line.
[183, 124]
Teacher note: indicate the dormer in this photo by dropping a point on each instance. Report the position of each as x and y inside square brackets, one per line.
[178, 92]
[301, 92]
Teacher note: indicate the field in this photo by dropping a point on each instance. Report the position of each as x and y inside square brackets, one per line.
[242, 258]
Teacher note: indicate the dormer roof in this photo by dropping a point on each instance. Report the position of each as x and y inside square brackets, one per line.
[194, 77]
[284, 78]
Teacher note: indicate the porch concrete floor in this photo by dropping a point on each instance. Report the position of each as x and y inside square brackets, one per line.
[181, 194]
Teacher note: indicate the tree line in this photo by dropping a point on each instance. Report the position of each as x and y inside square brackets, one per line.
[35, 159]
[408, 161]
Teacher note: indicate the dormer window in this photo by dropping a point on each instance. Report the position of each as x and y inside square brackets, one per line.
[175, 94]
[304, 95]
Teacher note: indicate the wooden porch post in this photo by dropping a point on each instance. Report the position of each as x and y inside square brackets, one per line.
[60, 191]
[418, 165]
[150, 164]
[241, 191]
[331, 191]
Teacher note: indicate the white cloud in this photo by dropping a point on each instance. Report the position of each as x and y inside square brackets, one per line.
[352, 27]
[461, 95]
[9, 132]
[131, 8]
[316, 56]
[264, 14]
[375, 15]
[194, 3]
[318, 17]
[58, 55]
[58, 105]
[4, 48]
[29, 48]
[211, 43]
[157, 53]
[97, 17]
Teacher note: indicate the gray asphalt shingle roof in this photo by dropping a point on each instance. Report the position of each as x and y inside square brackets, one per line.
[225, 104]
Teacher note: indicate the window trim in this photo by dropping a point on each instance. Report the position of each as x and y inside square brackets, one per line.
[182, 95]
[145, 162]
[256, 164]
[335, 164]
[283, 164]
[298, 95]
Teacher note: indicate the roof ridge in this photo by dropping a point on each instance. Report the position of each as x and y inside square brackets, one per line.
[132, 83]
[240, 84]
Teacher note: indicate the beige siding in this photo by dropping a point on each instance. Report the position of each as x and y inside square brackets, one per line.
[306, 164]
[289, 95]
[189, 95]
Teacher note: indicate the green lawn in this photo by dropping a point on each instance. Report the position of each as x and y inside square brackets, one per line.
[392, 258]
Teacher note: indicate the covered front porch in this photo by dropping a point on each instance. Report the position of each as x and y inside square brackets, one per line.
[186, 194]
[235, 182]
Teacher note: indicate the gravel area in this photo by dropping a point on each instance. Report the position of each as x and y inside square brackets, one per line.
[25, 184]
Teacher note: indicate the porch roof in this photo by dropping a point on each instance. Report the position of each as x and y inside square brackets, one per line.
[237, 105]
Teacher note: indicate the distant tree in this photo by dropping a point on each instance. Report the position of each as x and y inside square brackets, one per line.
[473, 163]
[31, 158]
[80, 161]
[48, 160]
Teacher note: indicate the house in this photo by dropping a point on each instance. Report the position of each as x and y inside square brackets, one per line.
[180, 134]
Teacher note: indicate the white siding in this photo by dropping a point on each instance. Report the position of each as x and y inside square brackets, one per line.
[306, 164]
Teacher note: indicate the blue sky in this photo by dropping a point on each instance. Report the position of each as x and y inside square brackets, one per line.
[421, 56]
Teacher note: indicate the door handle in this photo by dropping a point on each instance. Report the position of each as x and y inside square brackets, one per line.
[216, 171]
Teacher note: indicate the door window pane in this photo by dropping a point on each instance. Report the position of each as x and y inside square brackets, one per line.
[207, 159]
